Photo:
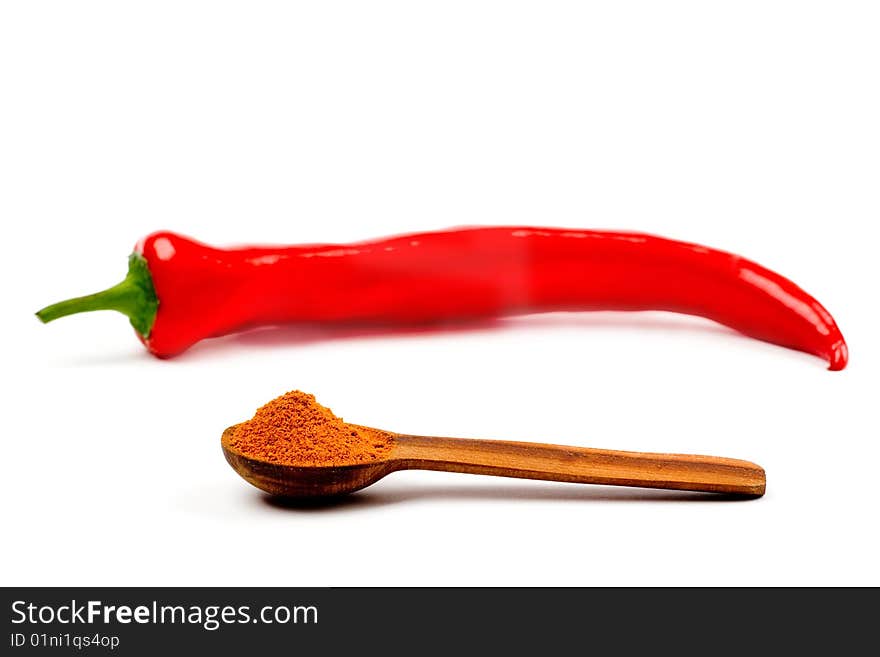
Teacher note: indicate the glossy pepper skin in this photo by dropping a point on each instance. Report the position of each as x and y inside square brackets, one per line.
[461, 274]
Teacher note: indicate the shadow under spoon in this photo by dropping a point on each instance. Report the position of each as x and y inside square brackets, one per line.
[582, 465]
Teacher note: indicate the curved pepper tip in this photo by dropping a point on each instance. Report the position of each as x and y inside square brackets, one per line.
[838, 356]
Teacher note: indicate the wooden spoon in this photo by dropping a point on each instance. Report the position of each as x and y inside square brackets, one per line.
[505, 459]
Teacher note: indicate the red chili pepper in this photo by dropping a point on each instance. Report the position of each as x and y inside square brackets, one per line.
[179, 291]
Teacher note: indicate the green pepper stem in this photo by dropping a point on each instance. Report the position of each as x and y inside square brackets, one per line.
[134, 297]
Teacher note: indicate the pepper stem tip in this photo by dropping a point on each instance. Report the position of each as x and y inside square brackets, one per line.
[135, 297]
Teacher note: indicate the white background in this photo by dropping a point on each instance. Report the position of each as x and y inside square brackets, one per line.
[749, 126]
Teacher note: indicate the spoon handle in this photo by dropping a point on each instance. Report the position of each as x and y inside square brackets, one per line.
[582, 465]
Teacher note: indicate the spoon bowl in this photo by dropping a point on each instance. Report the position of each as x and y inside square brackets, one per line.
[303, 481]
[710, 474]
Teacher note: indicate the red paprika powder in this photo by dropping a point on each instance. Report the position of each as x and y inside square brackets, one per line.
[294, 429]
